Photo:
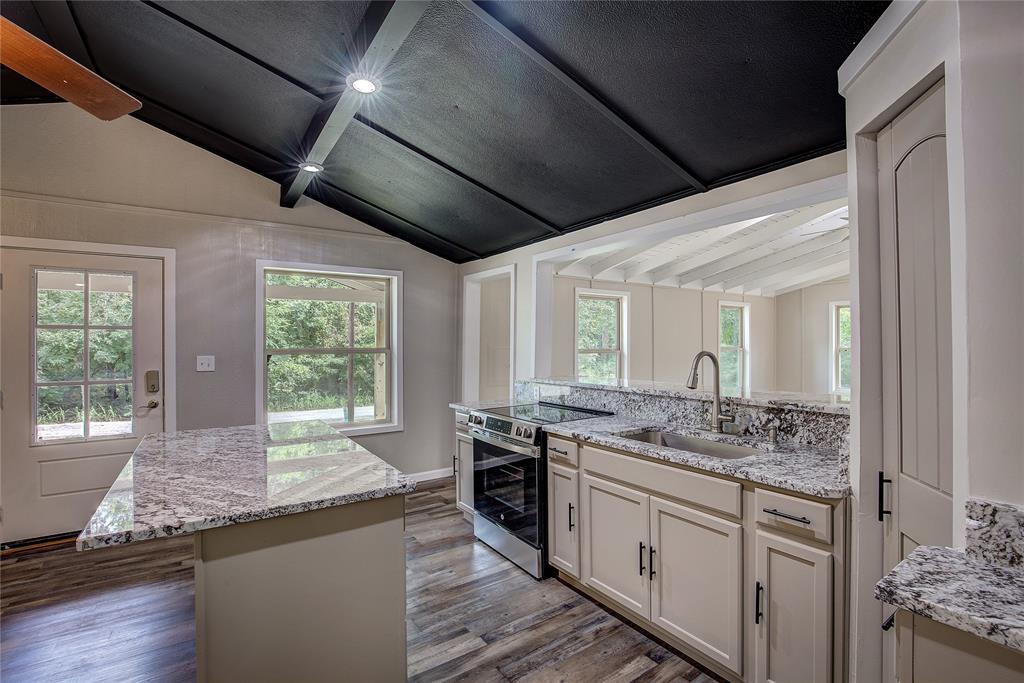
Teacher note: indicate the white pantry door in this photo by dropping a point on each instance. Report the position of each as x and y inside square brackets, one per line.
[80, 335]
[916, 484]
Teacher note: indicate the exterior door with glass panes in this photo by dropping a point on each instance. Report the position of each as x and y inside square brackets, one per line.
[82, 353]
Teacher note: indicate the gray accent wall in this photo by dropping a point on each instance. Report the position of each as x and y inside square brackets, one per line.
[68, 176]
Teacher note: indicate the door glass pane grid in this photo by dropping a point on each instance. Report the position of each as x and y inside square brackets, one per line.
[327, 344]
[83, 354]
[731, 349]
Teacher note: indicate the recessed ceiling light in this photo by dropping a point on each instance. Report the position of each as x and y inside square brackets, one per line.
[364, 85]
[310, 167]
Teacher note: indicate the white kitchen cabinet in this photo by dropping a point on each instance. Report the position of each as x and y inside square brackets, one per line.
[464, 472]
[564, 519]
[793, 611]
[696, 584]
[616, 530]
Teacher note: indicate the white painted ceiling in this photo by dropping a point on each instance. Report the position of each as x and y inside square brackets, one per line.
[766, 256]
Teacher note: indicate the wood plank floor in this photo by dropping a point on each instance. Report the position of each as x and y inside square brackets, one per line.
[126, 614]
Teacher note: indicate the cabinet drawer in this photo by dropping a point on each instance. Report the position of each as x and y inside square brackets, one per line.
[795, 515]
[462, 421]
[563, 451]
[710, 492]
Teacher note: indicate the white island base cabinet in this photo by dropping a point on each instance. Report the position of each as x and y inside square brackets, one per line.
[315, 596]
[462, 466]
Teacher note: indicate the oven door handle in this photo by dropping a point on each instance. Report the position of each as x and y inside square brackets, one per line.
[533, 452]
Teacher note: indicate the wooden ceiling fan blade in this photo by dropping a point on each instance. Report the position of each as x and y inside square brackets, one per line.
[39, 62]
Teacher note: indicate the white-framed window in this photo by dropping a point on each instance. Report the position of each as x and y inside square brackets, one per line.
[734, 347]
[83, 355]
[841, 345]
[330, 346]
[600, 334]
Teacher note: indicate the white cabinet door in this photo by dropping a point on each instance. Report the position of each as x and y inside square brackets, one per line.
[794, 624]
[696, 584]
[564, 519]
[464, 472]
[615, 543]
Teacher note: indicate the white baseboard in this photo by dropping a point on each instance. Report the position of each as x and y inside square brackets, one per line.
[430, 475]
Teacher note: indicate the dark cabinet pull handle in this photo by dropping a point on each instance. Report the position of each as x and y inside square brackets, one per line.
[571, 525]
[888, 623]
[882, 481]
[650, 562]
[786, 515]
[642, 546]
[757, 602]
[558, 450]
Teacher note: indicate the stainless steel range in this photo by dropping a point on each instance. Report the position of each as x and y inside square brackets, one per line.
[509, 478]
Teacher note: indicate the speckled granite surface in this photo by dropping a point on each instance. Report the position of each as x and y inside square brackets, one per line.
[952, 588]
[182, 482]
[781, 399]
[804, 469]
[804, 423]
[995, 532]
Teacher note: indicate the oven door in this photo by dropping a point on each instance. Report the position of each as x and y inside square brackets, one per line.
[506, 485]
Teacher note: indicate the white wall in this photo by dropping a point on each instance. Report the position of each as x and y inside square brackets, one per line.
[803, 362]
[66, 175]
[495, 339]
[667, 326]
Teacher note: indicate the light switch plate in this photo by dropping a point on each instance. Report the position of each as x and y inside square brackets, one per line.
[205, 363]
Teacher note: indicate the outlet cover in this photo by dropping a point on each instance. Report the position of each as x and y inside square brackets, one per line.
[205, 363]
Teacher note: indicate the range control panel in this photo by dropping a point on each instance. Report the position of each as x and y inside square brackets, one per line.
[497, 425]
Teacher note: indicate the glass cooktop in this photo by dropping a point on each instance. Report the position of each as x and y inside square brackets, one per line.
[545, 413]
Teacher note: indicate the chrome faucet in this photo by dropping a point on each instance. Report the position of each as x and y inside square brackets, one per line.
[717, 418]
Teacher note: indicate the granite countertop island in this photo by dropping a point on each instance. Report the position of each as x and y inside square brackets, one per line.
[299, 547]
[188, 481]
[811, 470]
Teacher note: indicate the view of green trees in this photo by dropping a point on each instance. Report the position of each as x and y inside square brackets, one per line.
[597, 327]
[730, 360]
[315, 381]
[845, 344]
[60, 355]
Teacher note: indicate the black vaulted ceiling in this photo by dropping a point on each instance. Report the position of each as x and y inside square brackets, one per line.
[497, 123]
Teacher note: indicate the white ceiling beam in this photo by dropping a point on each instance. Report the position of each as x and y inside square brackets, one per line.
[811, 278]
[757, 264]
[695, 242]
[731, 253]
[784, 272]
[620, 258]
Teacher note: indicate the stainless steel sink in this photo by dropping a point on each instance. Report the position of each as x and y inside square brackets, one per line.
[694, 444]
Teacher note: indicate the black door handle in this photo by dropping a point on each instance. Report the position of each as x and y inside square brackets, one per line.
[888, 623]
[642, 546]
[571, 525]
[882, 481]
[757, 602]
[650, 562]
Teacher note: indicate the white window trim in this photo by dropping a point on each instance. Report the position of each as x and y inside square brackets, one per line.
[396, 424]
[623, 298]
[744, 307]
[833, 347]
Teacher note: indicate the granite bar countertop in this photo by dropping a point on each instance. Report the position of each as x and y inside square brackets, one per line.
[183, 482]
[803, 469]
[952, 588]
[818, 403]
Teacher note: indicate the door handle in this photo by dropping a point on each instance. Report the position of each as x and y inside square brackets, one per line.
[153, 403]
[642, 546]
[571, 525]
[882, 481]
[650, 563]
[757, 602]
[888, 623]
